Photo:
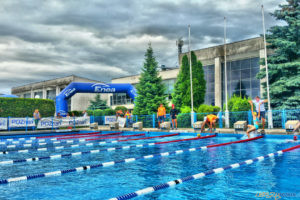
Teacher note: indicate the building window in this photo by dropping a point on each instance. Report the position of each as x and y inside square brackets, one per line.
[121, 99]
[51, 94]
[241, 78]
[38, 95]
[27, 95]
[209, 76]
[169, 87]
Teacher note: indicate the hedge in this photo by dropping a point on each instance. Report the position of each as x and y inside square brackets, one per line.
[24, 107]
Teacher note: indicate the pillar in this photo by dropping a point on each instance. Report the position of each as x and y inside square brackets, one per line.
[218, 82]
[31, 94]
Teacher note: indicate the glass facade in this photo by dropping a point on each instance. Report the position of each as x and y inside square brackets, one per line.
[209, 76]
[241, 78]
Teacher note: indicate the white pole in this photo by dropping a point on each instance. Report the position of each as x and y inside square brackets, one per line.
[270, 118]
[226, 91]
[191, 78]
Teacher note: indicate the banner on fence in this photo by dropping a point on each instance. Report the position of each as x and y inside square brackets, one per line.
[48, 123]
[122, 122]
[21, 122]
[77, 121]
[3, 123]
[109, 119]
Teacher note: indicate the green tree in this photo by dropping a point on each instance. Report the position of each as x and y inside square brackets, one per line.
[284, 63]
[150, 88]
[97, 103]
[182, 88]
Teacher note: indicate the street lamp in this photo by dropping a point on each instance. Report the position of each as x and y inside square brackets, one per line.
[191, 78]
[225, 71]
[270, 120]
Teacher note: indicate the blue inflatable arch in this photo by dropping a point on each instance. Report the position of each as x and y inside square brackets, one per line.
[77, 87]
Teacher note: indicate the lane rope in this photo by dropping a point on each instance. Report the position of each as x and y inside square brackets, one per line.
[64, 146]
[41, 142]
[111, 163]
[200, 175]
[57, 156]
[42, 137]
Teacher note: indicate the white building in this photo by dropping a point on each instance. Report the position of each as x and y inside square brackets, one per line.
[49, 89]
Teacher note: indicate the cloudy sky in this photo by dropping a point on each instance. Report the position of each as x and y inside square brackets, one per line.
[99, 39]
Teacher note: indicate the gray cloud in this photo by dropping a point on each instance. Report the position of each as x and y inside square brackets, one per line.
[101, 40]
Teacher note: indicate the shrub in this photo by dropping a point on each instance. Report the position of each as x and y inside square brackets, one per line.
[24, 107]
[237, 103]
[77, 113]
[185, 109]
[123, 108]
[109, 111]
[184, 120]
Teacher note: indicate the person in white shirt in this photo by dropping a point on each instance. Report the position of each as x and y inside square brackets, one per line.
[260, 104]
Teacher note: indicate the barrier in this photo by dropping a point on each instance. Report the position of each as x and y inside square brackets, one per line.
[111, 163]
[98, 151]
[200, 175]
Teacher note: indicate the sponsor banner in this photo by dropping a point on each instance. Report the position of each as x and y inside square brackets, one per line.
[49, 123]
[78, 121]
[109, 119]
[21, 122]
[3, 123]
[122, 122]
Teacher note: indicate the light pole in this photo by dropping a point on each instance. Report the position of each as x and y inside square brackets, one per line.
[191, 78]
[270, 118]
[225, 71]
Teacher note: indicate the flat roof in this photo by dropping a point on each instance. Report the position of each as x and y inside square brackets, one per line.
[69, 76]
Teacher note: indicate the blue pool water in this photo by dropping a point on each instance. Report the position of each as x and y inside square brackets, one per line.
[279, 174]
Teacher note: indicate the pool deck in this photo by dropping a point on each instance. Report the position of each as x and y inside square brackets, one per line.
[107, 128]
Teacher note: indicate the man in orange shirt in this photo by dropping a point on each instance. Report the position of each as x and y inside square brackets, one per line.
[161, 114]
[211, 121]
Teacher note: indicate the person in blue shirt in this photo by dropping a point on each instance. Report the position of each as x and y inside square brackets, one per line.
[260, 105]
[255, 126]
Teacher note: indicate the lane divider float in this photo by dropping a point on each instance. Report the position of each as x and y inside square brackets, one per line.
[111, 163]
[63, 147]
[201, 175]
[97, 151]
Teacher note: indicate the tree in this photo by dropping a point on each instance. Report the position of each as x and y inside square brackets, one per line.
[150, 88]
[284, 63]
[240, 90]
[97, 103]
[182, 88]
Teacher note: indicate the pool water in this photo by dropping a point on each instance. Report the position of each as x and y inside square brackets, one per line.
[279, 174]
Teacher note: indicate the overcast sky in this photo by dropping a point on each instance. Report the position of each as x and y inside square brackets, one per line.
[101, 40]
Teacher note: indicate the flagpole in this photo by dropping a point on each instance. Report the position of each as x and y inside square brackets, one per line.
[191, 78]
[270, 120]
[226, 90]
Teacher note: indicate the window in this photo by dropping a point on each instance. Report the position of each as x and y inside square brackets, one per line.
[241, 78]
[120, 99]
[27, 95]
[38, 95]
[51, 94]
[209, 76]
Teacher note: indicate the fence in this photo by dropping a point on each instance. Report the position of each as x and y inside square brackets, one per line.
[28, 123]
[280, 117]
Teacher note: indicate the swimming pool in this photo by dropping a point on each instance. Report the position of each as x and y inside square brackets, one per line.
[280, 174]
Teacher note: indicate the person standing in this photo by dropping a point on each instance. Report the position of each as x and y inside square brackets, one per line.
[260, 106]
[84, 114]
[173, 114]
[37, 117]
[161, 114]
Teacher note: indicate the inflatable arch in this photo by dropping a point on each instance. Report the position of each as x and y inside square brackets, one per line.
[77, 87]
